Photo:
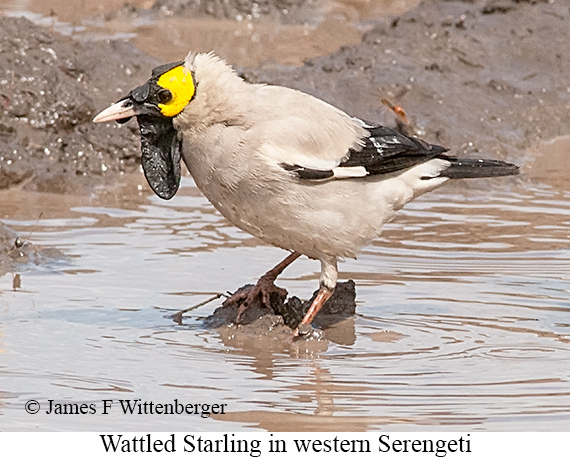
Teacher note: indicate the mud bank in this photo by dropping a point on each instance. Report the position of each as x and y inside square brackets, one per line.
[489, 77]
[50, 88]
[478, 76]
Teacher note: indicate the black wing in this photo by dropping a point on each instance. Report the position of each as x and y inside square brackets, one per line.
[387, 151]
[384, 151]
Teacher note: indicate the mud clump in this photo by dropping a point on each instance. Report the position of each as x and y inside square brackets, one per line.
[16, 252]
[50, 89]
[287, 313]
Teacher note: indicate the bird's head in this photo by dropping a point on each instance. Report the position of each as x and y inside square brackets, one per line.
[155, 104]
[165, 94]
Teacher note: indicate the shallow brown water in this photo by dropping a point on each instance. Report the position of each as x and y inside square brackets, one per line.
[463, 315]
[463, 305]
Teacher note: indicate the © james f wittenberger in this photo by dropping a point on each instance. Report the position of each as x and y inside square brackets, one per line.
[131, 407]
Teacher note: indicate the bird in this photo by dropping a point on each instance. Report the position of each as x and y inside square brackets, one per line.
[282, 165]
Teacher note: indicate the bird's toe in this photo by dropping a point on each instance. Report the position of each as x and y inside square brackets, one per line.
[265, 294]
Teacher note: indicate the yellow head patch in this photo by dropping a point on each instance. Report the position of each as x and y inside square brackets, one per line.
[180, 83]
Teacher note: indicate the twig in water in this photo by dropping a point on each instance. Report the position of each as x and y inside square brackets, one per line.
[177, 317]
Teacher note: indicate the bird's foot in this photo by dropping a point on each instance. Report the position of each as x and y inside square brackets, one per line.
[260, 294]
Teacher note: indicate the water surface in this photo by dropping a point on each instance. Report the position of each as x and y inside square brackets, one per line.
[463, 316]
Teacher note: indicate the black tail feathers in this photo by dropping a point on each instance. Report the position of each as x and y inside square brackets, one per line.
[478, 168]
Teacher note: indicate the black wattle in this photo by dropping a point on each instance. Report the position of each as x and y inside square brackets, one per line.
[161, 150]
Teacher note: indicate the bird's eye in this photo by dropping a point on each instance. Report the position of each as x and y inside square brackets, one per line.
[164, 96]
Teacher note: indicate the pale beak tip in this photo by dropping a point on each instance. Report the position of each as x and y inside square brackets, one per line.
[98, 119]
[115, 112]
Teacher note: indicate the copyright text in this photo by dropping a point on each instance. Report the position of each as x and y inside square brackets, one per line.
[127, 407]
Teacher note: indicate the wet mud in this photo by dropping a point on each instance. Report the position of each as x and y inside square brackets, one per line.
[50, 88]
[290, 311]
[479, 77]
[283, 10]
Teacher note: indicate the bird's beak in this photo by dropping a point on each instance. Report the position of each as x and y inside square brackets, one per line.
[123, 109]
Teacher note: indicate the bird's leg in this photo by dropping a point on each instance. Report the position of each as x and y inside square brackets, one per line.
[324, 294]
[329, 276]
[265, 285]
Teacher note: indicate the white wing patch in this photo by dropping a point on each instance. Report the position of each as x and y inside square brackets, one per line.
[349, 172]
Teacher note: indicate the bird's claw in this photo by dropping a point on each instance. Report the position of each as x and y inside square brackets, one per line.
[260, 293]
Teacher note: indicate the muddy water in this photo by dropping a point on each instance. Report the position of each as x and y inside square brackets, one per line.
[463, 315]
[463, 305]
[242, 42]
